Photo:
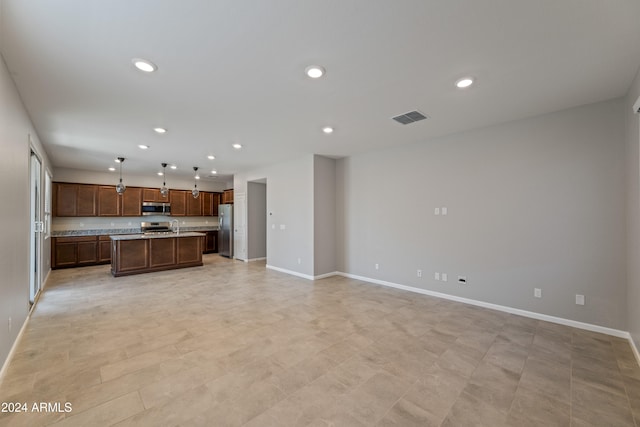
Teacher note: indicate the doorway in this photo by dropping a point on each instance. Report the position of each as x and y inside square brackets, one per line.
[257, 220]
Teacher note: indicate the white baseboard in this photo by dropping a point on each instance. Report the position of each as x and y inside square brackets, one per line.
[23, 328]
[291, 272]
[324, 276]
[506, 309]
[14, 346]
[256, 259]
[632, 343]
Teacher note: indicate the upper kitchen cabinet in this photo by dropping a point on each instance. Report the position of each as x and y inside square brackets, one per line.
[108, 201]
[210, 202]
[227, 196]
[178, 199]
[153, 195]
[74, 199]
[132, 202]
[194, 206]
[216, 202]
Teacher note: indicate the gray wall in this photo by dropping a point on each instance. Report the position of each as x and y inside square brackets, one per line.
[289, 204]
[256, 220]
[633, 211]
[15, 128]
[532, 203]
[324, 215]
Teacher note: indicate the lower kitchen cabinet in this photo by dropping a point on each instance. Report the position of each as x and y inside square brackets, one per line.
[211, 242]
[78, 251]
[104, 249]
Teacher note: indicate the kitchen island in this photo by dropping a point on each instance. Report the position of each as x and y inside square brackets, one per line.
[145, 253]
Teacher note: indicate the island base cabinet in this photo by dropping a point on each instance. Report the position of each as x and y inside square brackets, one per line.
[130, 256]
[190, 250]
[137, 256]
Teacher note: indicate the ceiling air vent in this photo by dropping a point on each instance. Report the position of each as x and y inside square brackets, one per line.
[410, 117]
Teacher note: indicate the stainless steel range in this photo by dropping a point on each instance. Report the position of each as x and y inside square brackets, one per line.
[156, 227]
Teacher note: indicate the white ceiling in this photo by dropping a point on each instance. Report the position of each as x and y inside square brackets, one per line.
[233, 71]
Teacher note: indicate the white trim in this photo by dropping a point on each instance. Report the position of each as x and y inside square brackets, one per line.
[636, 353]
[324, 276]
[291, 272]
[5, 365]
[525, 313]
[256, 259]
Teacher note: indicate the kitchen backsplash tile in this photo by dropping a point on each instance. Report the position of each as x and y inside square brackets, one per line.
[101, 225]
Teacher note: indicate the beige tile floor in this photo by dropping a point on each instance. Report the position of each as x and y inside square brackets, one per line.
[232, 344]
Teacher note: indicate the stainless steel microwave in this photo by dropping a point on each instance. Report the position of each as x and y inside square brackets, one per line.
[156, 208]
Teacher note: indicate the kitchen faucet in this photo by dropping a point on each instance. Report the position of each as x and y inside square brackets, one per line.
[177, 227]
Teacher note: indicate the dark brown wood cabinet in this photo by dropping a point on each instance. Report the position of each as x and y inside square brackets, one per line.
[207, 203]
[104, 249]
[178, 200]
[216, 202]
[194, 205]
[74, 199]
[108, 201]
[227, 196]
[65, 199]
[211, 242]
[132, 202]
[86, 202]
[75, 251]
[155, 254]
[153, 195]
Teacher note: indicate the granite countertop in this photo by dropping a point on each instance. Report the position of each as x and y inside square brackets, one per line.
[155, 236]
[128, 231]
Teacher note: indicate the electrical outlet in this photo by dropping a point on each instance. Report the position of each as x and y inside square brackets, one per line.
[444, 277]
[436, 211]
[377, 266]
[419, 273]
[537, 292]
[299, 261]
[444, 210]
[579, 299]
[436, 276]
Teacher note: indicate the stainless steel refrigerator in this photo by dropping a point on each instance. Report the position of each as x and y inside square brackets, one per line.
[225, 217]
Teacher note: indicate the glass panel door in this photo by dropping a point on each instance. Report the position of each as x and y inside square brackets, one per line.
[37, 227]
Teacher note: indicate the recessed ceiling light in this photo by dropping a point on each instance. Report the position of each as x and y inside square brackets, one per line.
[116, 160]
[144, 65]
[160, 174]
[143, 147]
[464, 82]
[160, 130]
[314, 71]
[112, 169]
[327, 129]
[237, 146]
[197, 176]
[211, 157]
[214, 172]
[174, 167]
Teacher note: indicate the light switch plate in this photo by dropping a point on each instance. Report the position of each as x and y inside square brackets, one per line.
[444, 277]
[444, 211]
[436, 211]
[537, 292]
[579, 299]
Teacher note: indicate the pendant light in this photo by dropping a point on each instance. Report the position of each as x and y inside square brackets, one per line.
[195, 192]
[164, 191]
[121, 188]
